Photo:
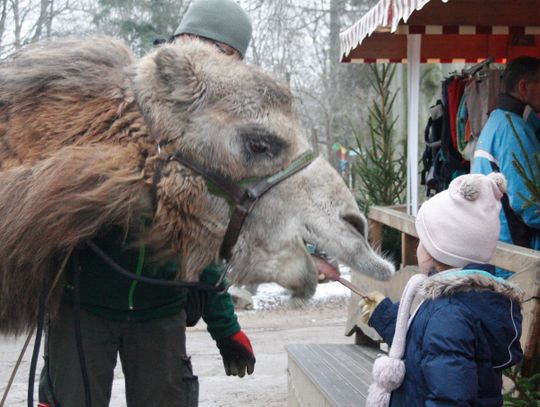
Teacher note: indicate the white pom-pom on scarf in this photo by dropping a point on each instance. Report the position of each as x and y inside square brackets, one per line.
[377, 396]
[388, 372]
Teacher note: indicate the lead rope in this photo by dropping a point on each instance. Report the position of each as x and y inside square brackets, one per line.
[77, 326]
[27, 341]
[219, 287]
[35, 353]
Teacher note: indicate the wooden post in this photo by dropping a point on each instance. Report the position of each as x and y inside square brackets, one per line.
[375, 233]
[408, 250]
[531, 355]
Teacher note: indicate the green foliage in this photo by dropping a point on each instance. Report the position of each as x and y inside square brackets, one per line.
[381, 167]
[139, 22]
[525, 390]
[430, 83]
[526, 171]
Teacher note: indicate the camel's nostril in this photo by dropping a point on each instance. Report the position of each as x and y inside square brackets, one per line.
[356, 221]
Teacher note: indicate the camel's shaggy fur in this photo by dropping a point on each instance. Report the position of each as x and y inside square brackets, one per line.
[62, 191]
[76, 154]
[80, 124]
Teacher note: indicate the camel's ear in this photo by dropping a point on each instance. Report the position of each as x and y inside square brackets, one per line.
[179, 78]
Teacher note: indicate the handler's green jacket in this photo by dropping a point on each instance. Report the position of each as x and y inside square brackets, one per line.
[110, 295]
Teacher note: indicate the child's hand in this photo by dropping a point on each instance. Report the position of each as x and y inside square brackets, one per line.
[368, 304]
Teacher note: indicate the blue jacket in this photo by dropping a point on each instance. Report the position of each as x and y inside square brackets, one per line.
[498, 143]
[463, 335]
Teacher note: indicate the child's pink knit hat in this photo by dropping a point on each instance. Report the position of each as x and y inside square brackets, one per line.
[461, 225]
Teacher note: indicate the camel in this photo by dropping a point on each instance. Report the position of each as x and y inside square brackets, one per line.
[87, 132]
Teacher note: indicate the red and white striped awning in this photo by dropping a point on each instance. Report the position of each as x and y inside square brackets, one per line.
[384, 16]
[452, 30]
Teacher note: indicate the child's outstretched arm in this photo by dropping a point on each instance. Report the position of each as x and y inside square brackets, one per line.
[380, 313]
[448, 364]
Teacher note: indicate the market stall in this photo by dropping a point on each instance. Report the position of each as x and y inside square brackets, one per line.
[435, 31]
[445, 31]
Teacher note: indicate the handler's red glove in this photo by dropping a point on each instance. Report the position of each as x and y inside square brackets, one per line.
[237, 354]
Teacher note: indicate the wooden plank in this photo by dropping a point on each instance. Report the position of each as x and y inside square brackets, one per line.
[381, 45]
[394, 218]
[341, 373]
[518, 259]
[301, 390]
[468, 47]
[507, 256]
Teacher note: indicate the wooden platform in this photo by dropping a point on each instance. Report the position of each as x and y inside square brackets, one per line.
[329, 375]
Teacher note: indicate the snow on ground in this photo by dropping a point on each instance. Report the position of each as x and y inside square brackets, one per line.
[272, 296]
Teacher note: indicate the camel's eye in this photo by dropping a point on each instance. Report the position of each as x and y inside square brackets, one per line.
[259, 147]
[261, 143]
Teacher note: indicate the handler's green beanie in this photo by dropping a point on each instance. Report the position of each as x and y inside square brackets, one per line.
[219, 20]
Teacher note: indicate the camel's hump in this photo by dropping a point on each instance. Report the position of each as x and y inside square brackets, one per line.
[85, 66]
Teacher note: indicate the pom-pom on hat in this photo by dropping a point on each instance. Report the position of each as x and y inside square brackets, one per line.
[219, 20]
[461, 224]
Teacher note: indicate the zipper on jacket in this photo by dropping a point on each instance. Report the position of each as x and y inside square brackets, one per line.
[138, 272]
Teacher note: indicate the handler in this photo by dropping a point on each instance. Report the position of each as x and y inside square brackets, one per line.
[144, 324]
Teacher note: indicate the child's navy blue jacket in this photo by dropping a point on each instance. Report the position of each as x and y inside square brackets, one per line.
[463, 335]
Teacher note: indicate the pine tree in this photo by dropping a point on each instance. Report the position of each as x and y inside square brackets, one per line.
[381, 167]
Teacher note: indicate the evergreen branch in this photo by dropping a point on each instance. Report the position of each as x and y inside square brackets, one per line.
[532, 183]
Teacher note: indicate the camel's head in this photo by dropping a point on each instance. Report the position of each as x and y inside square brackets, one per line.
[236, 120]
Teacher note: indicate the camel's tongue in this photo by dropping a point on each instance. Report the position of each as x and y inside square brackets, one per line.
[326, 270]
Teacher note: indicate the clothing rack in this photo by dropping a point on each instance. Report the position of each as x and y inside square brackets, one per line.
[477, 67]
[456, 121]
[472, 70]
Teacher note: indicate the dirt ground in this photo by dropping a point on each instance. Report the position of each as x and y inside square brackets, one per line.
[270, 331]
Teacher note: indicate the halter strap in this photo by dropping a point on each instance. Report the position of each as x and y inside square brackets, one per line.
[242, 198]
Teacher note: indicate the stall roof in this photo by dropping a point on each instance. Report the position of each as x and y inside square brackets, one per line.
[452, 31]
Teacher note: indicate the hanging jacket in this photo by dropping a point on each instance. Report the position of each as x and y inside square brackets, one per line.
[464, 333]
[455, 93]
[481, 96]
[110, 295]
[498, 144]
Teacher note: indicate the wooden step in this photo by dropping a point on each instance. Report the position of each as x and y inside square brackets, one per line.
[329, 375]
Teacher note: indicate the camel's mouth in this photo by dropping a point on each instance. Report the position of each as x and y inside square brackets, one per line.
[327, 267]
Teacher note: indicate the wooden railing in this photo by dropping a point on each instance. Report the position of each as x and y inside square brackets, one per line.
[525, 263]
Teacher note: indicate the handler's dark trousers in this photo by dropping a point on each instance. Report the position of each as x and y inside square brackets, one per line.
[153, 356]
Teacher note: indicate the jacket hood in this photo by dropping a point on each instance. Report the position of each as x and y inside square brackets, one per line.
[454, 281]
[495, 302]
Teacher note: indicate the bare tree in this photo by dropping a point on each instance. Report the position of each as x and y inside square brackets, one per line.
[26, 21]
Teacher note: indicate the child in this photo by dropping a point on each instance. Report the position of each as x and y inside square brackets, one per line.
[467, 327]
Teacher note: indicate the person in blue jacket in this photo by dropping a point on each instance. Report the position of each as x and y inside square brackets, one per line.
[515, 120]
[467, 328]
